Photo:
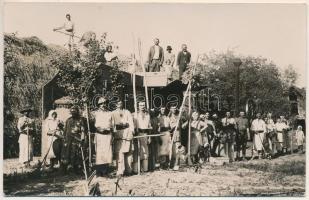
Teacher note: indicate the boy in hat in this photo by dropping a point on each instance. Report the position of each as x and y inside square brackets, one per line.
[25, 127]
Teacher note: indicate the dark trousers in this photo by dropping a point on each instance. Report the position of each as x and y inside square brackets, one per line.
[154, 66]
[153, 153]
[182, 69]
[215, 146]
[241, 142]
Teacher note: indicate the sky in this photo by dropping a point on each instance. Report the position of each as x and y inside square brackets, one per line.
[274, 31]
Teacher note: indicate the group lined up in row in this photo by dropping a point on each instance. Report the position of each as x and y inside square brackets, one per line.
[113, 138]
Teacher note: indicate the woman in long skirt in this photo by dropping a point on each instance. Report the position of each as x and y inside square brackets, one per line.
[54, 133]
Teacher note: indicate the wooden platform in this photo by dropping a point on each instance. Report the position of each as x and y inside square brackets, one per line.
[154, 79]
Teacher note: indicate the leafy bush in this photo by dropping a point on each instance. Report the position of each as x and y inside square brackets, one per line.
[26, 68]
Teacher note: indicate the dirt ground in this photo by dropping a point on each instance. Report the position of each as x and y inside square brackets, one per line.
[282, 176]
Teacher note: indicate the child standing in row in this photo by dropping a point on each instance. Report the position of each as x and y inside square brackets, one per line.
[300, 138]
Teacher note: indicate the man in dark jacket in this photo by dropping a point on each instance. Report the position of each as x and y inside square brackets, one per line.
[183, 59]
[75, 138]
[155, 57]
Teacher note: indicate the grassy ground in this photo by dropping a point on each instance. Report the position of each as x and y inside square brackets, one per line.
[283, 176]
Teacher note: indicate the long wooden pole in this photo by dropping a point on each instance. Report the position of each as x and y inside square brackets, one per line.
[189, 131]
[89, 136]
[144, 72]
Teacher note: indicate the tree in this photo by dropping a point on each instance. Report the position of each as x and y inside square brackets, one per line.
[258, 78]
[79, 70]
[289, 76]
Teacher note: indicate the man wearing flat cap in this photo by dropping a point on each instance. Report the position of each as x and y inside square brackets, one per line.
[75, 138]
[25, 127]
[123, 139]
[104, 126]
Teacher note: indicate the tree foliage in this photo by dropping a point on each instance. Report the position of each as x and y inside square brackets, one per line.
[79, 71]
[26, 68]
[259, 79]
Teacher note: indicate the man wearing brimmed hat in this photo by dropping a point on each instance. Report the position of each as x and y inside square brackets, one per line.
[143, 127]
[75, 138]
[104, 126]
[169, 59]
[123, 146]
[155, 57]
[25, 127]
[169, 56]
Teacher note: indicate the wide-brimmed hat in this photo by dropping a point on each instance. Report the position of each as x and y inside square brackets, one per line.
[102, 100]
[26, 109]
[168, 47]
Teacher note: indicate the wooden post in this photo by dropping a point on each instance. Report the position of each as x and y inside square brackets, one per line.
[135, 109]
[189, 132]
[89, 135]
[144, 71]
[291, 146]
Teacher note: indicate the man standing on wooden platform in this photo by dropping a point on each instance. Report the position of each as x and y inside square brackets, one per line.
[155, 57]
[183, 60]
[123, 145]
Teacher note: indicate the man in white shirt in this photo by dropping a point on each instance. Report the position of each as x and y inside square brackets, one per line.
[281, 130]
[69, 28]
[258, 127]
[270, 134]
[142, 128]
[104, 127]
[123, 139]
[155, 57]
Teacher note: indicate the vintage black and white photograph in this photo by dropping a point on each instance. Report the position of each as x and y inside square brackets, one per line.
[158, 99]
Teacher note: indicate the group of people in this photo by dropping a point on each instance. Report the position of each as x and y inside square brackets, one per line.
[150, 140]
[160, 61]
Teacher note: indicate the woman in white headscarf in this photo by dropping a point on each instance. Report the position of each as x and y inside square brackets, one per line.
[53, 130]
